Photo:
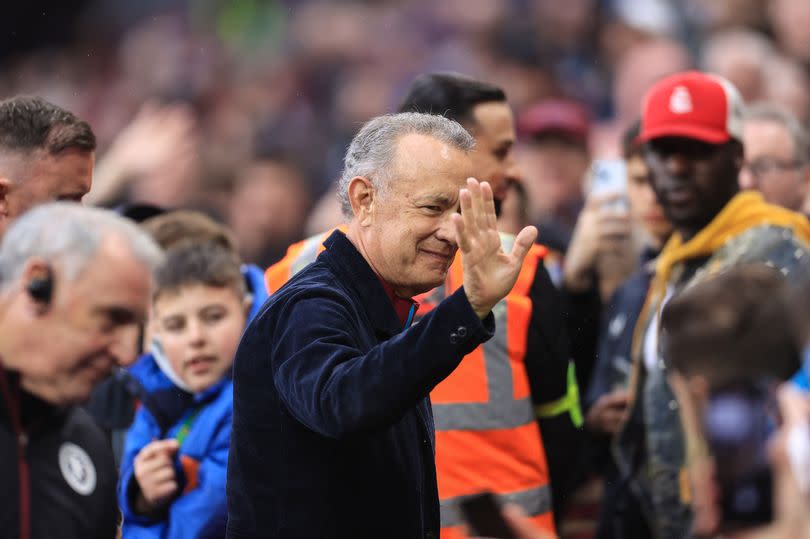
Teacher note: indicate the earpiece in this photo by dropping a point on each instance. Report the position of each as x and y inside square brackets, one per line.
[41, 288]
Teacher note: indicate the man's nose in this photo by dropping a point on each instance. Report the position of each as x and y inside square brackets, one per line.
[678, 163]
[447, 230]
[125, 345]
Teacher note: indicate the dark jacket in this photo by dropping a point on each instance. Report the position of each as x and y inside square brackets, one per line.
[58, 476]
[332, 431]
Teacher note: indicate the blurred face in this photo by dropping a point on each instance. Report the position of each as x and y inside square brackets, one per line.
[90, 325]
[405, 229]
[493, 159]
[644, 208]
[199, 327]
[692, 180]
[47, 178]
[771, 166]
[553, 176]
[268, 208]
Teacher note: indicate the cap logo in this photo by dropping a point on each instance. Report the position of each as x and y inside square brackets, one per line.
[680, 102]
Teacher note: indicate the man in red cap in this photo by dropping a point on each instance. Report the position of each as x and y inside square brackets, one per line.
[692, 125]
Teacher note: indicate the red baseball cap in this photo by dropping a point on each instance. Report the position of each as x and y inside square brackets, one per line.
[562, 116]
[694, 105]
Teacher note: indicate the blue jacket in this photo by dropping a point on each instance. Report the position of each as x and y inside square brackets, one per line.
[333, 433]
[200, 462]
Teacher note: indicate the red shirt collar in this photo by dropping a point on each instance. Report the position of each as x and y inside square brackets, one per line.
[403, 307]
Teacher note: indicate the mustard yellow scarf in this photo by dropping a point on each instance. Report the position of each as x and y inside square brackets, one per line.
[746, 210]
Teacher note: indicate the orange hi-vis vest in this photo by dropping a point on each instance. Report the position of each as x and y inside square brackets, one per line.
[487, 437]
[299, 255]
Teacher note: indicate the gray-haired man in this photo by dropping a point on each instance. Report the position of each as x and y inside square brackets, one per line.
[333, 434]
[74, 285]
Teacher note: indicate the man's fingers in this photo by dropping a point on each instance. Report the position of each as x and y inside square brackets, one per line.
[478, 214]
[523, 242]
[489, 206]
[461, 235]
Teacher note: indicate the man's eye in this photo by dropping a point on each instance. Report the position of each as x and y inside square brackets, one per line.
[433, 209]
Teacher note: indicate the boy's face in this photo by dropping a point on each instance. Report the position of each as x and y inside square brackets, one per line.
[200, 327]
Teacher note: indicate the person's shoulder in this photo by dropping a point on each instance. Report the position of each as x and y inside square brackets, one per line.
[776, 246]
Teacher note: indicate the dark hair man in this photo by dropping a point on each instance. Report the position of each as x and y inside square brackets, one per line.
[483, 111]
[46, 154]
[74, 285]
[692, 127]
[332, 431]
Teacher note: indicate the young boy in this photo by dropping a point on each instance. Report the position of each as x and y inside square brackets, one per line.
[173, 476]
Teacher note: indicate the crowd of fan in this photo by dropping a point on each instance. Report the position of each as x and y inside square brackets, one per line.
[663, 359]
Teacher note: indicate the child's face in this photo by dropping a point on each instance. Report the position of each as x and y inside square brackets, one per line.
[200, 327]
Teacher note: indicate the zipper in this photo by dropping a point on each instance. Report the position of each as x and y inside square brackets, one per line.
[11, 392]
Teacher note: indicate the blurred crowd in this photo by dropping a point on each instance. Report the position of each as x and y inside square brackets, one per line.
[242, 111]
[231, 106]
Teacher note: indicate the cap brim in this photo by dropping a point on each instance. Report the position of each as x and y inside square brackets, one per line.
[712, 136]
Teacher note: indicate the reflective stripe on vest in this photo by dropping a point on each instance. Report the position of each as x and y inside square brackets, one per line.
[486, 434]
[534, 501]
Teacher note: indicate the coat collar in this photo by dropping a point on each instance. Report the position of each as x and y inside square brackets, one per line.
[352, 269]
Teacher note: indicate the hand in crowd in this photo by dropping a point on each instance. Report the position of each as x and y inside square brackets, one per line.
[521, 526]
[158, 137]
[600, 232]
[489, 273]
[154, 471]
[607, 414]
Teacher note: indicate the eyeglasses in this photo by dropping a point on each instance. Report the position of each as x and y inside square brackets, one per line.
[765, 166]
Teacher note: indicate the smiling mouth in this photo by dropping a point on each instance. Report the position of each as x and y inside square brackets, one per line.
[439, 256]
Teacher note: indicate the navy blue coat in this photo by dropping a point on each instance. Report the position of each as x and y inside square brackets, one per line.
[332, 430]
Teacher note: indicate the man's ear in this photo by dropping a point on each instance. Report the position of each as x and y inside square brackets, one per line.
[6, 185]
[362, 197]
[36, 270]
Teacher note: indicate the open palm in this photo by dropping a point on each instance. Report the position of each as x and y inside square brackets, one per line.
[489, 272]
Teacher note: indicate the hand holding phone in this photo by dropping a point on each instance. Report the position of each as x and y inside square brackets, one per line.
[483, 515]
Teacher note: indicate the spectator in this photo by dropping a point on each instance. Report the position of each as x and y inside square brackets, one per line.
[713, 354]
[777, 156]
[173, 476]
[46, 154]
[692, 128]
[267, 209]
[113, 402]
[607, 397]
[554, 157]
[337, 340]
[75, 285]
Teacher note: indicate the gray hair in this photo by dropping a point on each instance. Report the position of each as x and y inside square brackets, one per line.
[71, 235]
[771, 112]
[372, 150]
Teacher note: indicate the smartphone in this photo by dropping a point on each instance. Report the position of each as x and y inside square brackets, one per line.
[483, 515]
[610, 176]
[738, 422]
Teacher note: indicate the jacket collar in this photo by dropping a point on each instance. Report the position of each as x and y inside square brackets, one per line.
[353, 271]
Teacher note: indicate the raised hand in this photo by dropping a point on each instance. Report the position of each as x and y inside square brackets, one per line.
[489, 272]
